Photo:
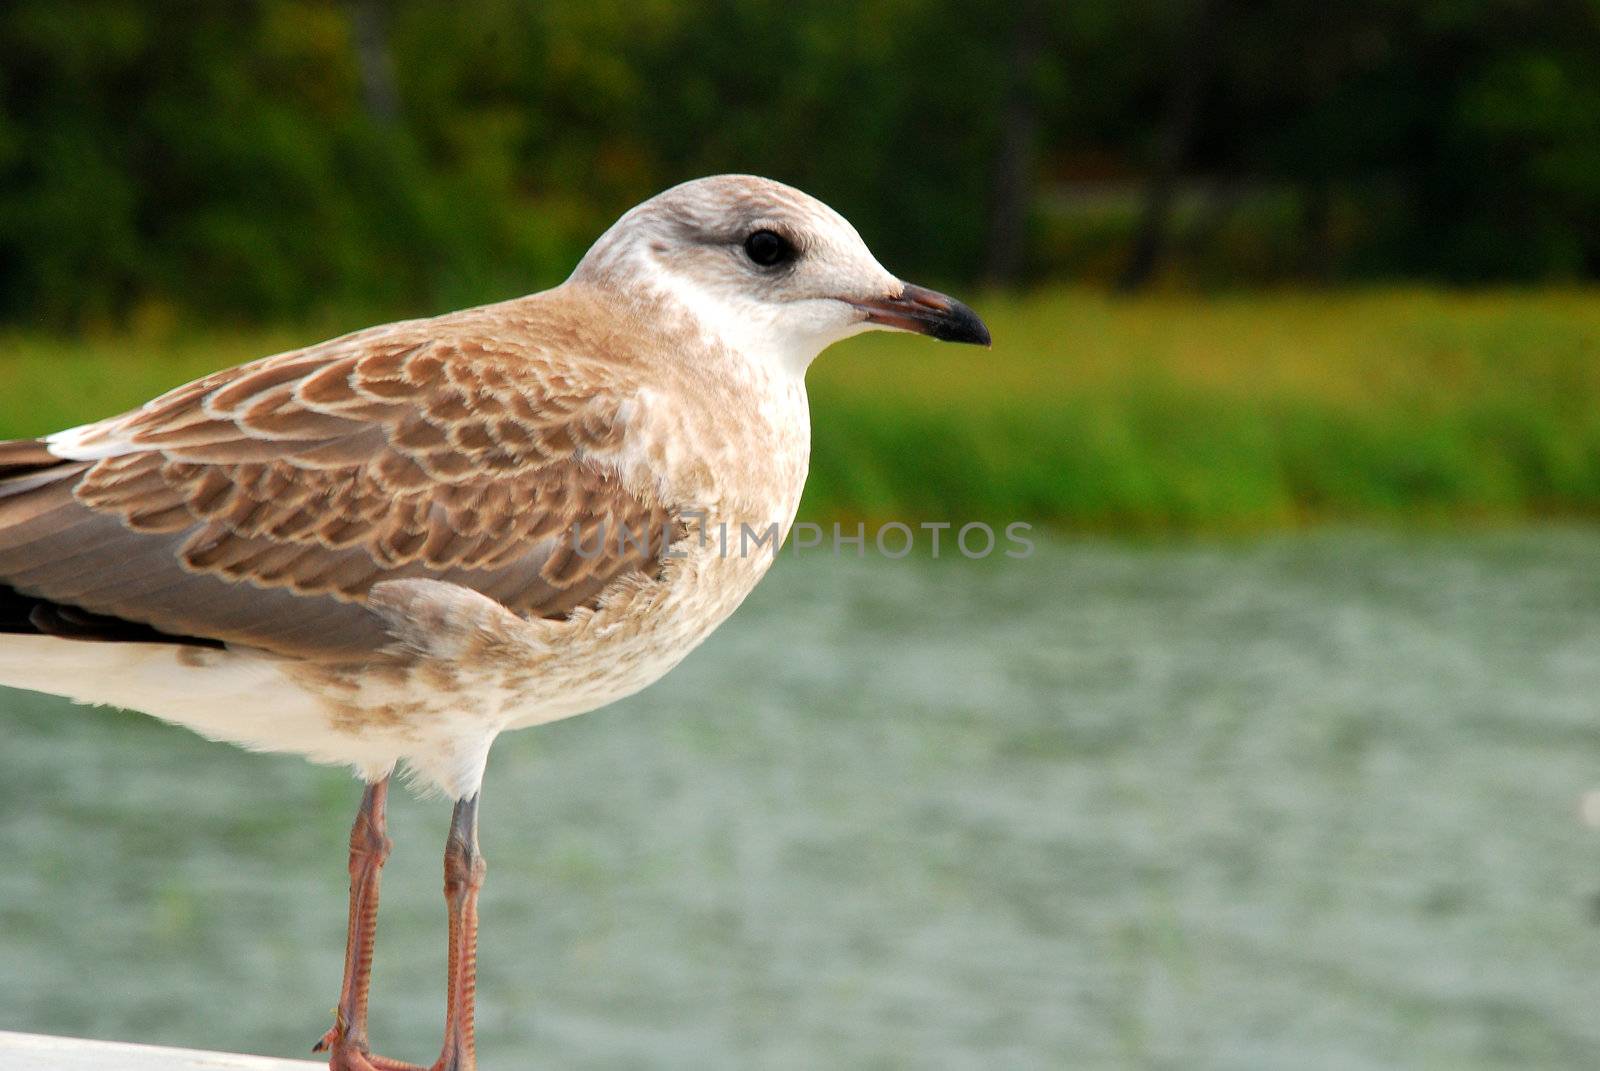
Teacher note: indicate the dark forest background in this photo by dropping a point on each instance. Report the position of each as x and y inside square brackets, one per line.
[263, 160]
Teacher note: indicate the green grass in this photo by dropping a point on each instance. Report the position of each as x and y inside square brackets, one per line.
[1233, 413]
[1153, 414]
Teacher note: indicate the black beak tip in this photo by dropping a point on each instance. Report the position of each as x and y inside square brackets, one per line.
[961, 324]
[927, 312]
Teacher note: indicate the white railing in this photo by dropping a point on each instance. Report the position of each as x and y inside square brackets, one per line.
[36, 1052]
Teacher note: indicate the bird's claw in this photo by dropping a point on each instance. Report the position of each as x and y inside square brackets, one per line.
[344, 1056]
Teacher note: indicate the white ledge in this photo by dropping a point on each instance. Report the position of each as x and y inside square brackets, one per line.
[36, 1052]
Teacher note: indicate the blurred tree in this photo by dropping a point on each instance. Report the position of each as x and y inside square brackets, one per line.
[377, 63]
[1194, 54]
[1013, 166]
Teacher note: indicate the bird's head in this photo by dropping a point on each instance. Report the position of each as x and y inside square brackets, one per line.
[766, 269]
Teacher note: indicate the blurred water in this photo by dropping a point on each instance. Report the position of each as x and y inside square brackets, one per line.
[1312, 802]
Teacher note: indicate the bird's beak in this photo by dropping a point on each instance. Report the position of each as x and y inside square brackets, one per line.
[926, 312]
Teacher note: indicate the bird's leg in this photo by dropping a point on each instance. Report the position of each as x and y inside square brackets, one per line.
[463, 877]
[369, 849]
[464, 868]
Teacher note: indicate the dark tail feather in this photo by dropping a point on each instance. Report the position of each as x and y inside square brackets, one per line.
[26, 615]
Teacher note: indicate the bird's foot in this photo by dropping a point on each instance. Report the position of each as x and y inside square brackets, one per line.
[346, 1055]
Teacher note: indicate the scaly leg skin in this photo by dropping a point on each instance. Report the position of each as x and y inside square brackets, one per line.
[463, 878]
[346, 1042]
[464, 868]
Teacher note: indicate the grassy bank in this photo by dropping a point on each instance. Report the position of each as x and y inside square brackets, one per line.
[1155, 414]
[1224, 414]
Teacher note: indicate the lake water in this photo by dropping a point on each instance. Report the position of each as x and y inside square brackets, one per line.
[1314, 802]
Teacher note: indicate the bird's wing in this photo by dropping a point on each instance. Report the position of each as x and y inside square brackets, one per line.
[259, 505]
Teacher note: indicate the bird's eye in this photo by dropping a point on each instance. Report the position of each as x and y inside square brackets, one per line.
[768, 249]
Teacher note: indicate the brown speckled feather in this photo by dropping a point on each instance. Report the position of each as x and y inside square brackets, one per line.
[260, 504]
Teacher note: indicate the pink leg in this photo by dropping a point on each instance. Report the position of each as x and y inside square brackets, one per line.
[347, 1043]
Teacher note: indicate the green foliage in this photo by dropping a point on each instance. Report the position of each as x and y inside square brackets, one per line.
[269, 159]
[233, 159]
[1438, 138]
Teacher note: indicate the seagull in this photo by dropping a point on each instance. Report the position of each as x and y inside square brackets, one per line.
[387, 549]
